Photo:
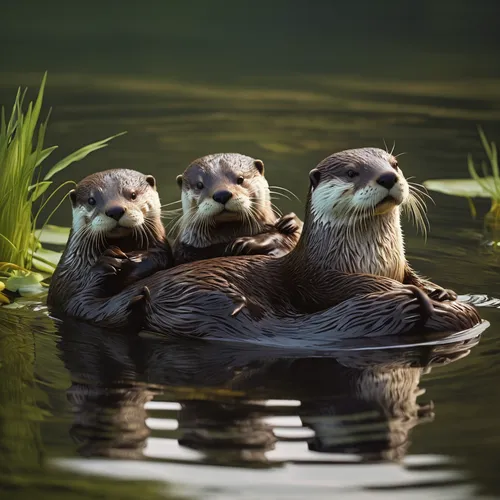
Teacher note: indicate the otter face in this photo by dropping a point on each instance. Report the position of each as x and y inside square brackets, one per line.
[114, 203]
[223, 187]
[364, 182]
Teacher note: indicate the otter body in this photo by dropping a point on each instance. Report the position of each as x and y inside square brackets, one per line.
[320, 291]
[227, 210]
[115, 208]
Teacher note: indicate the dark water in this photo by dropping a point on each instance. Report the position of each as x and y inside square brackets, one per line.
[86, 413]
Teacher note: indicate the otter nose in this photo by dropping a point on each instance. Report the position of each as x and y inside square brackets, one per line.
[387, 180]
[115, 212]
[222, 196]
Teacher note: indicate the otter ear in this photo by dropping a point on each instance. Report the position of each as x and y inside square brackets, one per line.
[72, 197]
[259, 165]
[314, 177]
[179, 180]
[151, 181]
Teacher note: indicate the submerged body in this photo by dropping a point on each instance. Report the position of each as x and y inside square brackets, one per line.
[345, 277]
[227, 210]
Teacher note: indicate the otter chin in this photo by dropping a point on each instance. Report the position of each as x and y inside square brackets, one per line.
[387, 204]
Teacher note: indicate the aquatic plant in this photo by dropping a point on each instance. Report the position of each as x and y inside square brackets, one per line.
[486, 185]
[26, 191]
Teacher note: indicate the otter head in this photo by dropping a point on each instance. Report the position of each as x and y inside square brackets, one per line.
[357, 183]
[114, 204]
[222, 188]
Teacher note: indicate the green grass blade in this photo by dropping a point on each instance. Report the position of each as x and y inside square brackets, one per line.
[79, 155]
[494, 168]
[476, 177]
[44, 154]
[9, 242]
[38, 189]
[485, 142]
[472, 208]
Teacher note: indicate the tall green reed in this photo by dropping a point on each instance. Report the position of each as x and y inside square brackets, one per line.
[23, 187]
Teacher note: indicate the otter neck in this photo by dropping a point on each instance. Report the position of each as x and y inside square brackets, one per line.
[372, 245]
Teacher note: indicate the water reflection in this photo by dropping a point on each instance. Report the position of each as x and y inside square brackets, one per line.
[227, 405]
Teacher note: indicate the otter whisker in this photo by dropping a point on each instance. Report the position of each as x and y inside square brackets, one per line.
[418, 188]
[283, 195]
[171, 203]
[277, 210]
[286, 190]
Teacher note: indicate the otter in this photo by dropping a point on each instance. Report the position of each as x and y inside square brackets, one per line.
[227, 210]
[313, 295]
[115, 208]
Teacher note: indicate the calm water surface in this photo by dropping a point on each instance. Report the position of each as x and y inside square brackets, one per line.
[87, 413]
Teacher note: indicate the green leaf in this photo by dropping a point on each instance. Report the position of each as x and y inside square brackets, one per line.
[22, 282]
[79, 155]
[47, 259]
[39, 189]
[54, 235]
[466, 188]
[45, 154]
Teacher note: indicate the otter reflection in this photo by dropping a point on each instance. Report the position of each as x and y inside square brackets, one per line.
[105, 398]
[362, 402]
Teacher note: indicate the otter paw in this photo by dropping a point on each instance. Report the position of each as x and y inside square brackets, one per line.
[426, 309]
[251, 245]
[288, 224]
[142, 299]
[114, 252]
[442, 294]
[108, 266]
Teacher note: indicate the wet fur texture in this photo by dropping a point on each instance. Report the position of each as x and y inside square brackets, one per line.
[312, 289]
[245, 224]
[139, 232]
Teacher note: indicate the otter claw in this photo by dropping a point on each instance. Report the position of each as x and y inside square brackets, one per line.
[109, 270]
[145, 295]
[240, 306]
[287, 224]
[115, 252]
[441, 294]
[425, 305]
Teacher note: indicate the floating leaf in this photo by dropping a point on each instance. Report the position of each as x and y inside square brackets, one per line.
[466, 188]
[54, 235]
[22, 282]
[46, 260]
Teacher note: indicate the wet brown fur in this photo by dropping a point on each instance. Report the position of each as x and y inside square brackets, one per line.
[301, 295]
[145, 244]
[245, 225]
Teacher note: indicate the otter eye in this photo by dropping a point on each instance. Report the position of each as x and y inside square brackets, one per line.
[133, 196]
[199, 185]
[352, 173]
[91, 201]
[240, 180]
[395, 164]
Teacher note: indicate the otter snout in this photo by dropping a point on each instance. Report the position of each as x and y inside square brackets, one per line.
[388, 180]
[222, 197]
[115, 212]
